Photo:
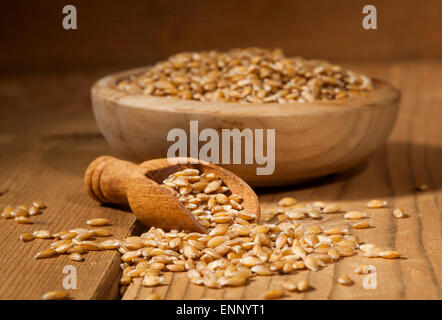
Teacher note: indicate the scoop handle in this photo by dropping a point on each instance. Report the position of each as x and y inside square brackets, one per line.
[106, 179]
[114, 181]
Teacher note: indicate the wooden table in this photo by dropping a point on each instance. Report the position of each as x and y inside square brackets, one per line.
[48, 136]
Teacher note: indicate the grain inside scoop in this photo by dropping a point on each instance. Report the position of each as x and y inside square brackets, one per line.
[114, 181]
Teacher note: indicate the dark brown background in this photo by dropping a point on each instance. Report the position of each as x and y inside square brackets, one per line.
[125, 33]
[48, 134]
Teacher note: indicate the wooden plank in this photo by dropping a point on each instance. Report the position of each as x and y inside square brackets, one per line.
[47, 138]
[147, 31]
[412, 157]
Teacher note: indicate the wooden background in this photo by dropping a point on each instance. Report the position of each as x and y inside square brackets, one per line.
[131, 33]
[48, 134]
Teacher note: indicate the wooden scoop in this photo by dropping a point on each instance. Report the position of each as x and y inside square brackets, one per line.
[115, 181]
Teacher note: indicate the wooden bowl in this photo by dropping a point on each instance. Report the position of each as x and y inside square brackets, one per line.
[312, 139]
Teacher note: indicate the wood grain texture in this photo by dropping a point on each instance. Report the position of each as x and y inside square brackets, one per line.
[114, 181]
[412, 157]
[48, 137]
[152, 30]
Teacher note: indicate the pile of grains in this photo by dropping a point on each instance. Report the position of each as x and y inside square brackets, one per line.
[236, 247]
[74, 242]
[205, 197]
[21, 213]
[251, 75]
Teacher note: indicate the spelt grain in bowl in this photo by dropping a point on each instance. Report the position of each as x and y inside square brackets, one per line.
[251, 75]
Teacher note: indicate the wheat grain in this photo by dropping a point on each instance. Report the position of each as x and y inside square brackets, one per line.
[263, 76]
[274, 294]
[98, 222]
[55, 295]
[345, 280]
[26, 237]
[398, 213]
[153, 296]
[376, 204]
[389, 254]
